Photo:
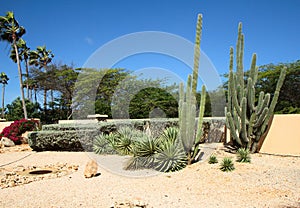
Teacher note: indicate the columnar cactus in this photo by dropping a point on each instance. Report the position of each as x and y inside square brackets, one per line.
[246, 118]
[187, 105]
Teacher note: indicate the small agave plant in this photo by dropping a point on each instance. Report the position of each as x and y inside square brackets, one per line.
[227, 165]
[243, 155]
[212, 159]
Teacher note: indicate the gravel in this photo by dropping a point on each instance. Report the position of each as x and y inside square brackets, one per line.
[268, 181]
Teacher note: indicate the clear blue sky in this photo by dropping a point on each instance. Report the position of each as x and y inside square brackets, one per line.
[73, 30]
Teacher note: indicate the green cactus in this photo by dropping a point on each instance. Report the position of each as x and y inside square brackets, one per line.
[187, 105]
[246, 119]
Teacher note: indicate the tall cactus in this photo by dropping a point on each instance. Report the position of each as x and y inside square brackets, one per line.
[187, 105]
[246, 118]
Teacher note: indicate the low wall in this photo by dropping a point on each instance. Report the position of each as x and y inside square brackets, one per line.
[4, 124]
[284, 136]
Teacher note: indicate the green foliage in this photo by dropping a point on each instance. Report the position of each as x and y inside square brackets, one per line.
[71, 140]
[104, 144]
[243, 155]
[146, 101]
[289, 98]
[212, 159]
[15, 110]
[247, 118]
[227, 165]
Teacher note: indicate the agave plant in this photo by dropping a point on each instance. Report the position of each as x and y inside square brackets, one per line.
[170, 133]
[170, 157]
[104, 144]
[227, 165]
[125, 140]
[212, 159]
[243, 155]
[144, 151]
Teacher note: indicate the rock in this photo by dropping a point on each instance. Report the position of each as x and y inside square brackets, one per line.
[91, 169]
[7, 142]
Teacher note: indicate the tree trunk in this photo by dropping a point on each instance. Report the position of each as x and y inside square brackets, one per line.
[45, 100]
[27, 78]
[3, 92]
[20, 79]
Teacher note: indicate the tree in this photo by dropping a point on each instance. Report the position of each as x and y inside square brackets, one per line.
[14, 110]
[3, 80]
[11, 31]
[289, 97]
[41, 57]
[24, 52]
[153, 102]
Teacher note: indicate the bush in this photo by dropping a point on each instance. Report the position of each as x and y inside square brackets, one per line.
[227, 165]
[63, 140]
[17, 128]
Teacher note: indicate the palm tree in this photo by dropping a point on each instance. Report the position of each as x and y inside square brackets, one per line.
[11, 31]
[3, 80]
[41, 58]
[24, 52]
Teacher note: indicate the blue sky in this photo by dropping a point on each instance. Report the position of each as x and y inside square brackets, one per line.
[74, 30]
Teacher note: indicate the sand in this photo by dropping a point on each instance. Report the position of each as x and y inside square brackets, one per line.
[268, 181]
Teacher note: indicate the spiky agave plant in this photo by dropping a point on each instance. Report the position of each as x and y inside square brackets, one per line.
[243, 155]
[144, 150]
[212, 159]
[227, 165]
[104, 144]
[170, 157]
[125, 139]
[170, 133]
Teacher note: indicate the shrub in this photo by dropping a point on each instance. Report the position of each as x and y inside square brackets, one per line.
[17, 128]
[227, 165]
[243, 155]
[212, 159]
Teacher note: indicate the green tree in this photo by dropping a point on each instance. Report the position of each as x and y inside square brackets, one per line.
[3, 80]
[41, 57]
[11, 31]
[289, 97]
[14, 110]
[153, 102]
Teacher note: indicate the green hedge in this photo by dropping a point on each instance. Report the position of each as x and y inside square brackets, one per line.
[62, 140]
[79, 137]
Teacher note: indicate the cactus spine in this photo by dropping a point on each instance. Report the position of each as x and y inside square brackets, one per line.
[187, 105]
[247, 120]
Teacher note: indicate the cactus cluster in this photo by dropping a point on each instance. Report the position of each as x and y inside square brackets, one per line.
[247, 119]
[187, 105]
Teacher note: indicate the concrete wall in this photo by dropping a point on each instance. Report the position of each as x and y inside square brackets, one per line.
[4, 124]
[284, 136]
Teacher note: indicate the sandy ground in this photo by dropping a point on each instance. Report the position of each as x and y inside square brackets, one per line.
[269, 181]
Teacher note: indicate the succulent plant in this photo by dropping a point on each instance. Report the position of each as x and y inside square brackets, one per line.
[243, 155]
[212, 159]
[227, 165]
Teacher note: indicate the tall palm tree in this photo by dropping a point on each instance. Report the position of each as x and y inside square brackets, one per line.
[11, 31]
[24, 52]
[41, 57]
[3, 80]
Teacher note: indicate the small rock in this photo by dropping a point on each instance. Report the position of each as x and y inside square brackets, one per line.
[7, 142]
[91, 169]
